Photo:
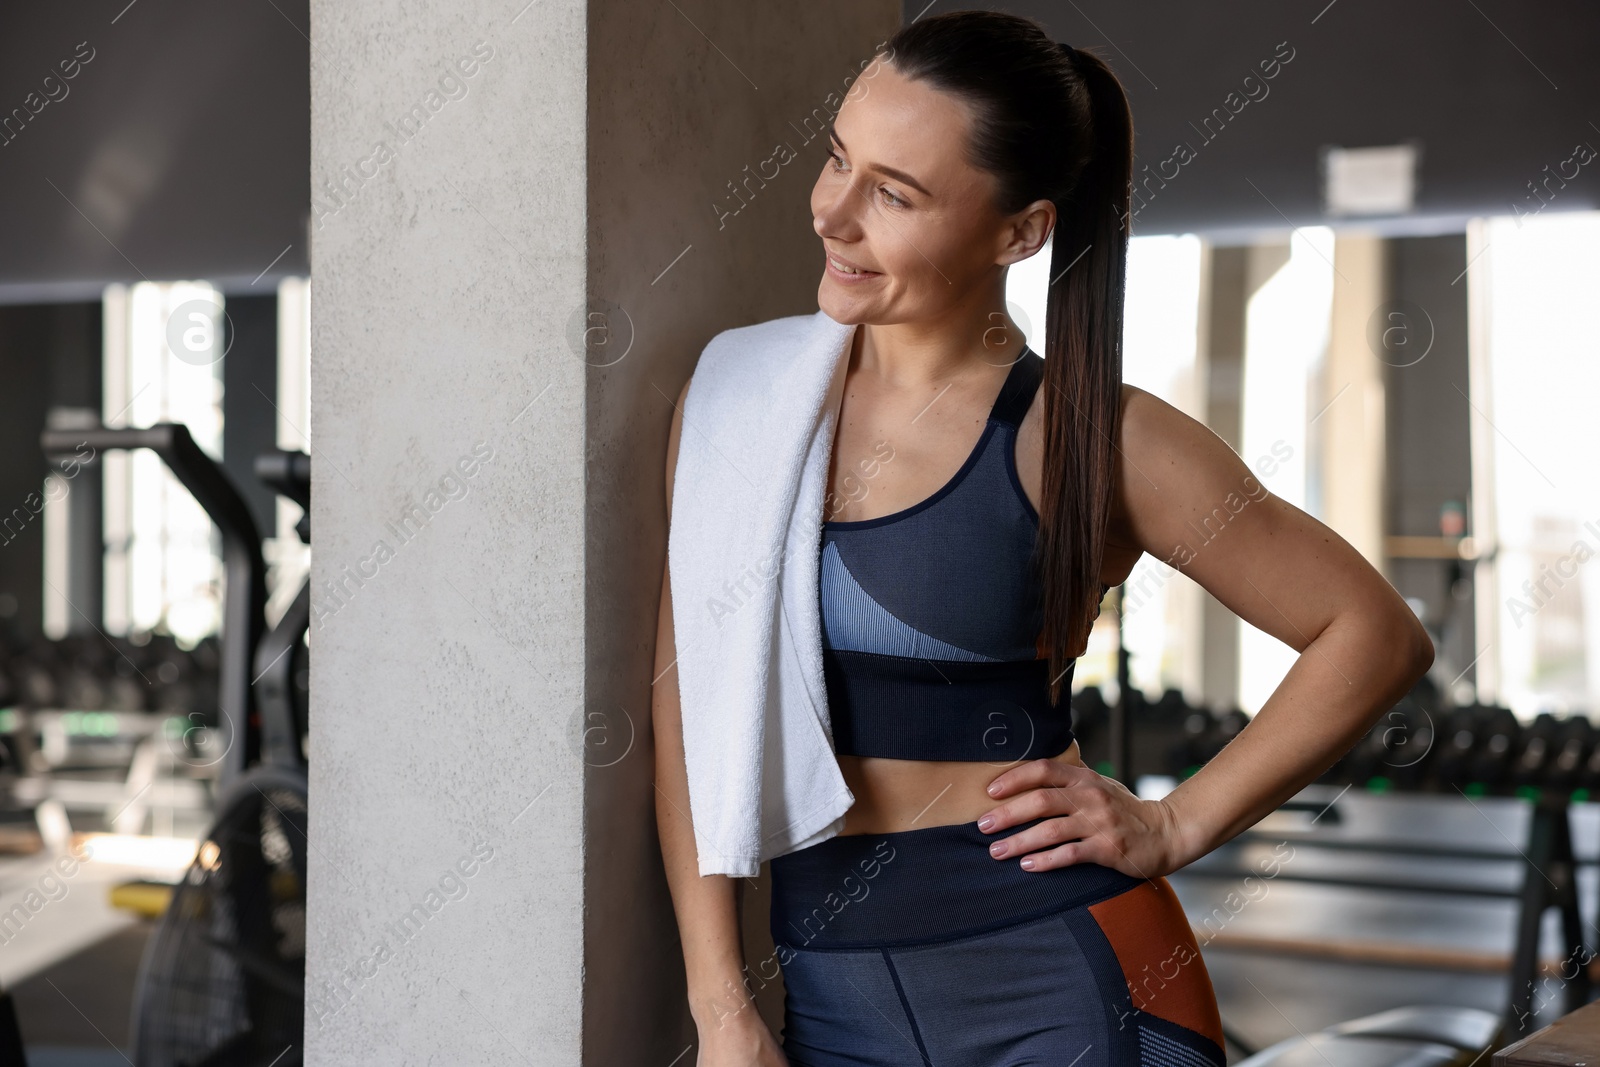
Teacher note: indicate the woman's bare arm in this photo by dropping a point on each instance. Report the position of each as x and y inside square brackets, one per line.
[1186, 498]
[1190, 501]
[707, 907]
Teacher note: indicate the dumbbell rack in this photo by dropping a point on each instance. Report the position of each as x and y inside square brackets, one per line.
[1549, 879]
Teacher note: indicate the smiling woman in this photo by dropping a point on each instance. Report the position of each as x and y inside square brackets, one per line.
[957, 594]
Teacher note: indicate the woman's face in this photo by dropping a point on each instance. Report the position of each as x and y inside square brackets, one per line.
[898, 202]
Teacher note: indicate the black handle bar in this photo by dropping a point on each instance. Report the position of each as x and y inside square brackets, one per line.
[245, 593]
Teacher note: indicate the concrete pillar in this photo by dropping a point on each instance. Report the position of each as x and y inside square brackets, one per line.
[1348, 394]
[526, 225]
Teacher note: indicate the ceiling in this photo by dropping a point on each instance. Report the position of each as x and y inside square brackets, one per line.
[180, 148]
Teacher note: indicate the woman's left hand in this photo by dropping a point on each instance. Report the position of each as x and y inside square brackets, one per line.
[1102, 821]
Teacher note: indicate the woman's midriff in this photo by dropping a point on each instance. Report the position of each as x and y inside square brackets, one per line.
[894, 794]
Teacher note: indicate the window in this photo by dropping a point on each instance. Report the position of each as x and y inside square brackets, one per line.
[1532, 285]
[163, 562]
[1286, 333]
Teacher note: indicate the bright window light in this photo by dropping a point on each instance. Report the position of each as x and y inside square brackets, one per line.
[1027, 289]
[1286, 332]
[288, 560]
[163, 568]
[1540, 320]
[1161, 317]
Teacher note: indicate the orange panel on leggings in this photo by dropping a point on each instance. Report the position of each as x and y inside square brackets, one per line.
[1155, 945]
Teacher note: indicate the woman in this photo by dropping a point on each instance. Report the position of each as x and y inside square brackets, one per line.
[982, 500]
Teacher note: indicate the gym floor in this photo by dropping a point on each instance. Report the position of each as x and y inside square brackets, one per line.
[75, 1014]
[1285, 957]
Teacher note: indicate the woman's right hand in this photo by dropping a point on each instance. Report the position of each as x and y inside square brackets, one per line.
[740, 1039]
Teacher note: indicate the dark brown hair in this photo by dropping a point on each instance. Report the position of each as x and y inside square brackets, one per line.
[1052, 123]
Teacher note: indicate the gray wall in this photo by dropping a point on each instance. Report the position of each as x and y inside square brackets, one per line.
[671, 122]
[489, 684]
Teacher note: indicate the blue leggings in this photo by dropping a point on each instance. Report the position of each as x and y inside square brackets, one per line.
[919, 949]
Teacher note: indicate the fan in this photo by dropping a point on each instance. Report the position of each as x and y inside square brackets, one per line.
[222, 982]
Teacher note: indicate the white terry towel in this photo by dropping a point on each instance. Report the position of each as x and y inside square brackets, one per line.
[743, 558]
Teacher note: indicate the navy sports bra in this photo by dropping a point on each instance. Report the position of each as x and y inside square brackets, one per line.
[931, 616]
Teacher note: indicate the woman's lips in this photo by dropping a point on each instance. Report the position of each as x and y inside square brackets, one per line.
[841, 271]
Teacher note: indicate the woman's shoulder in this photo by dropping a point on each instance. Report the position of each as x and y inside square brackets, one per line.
[1161, 447]
[1147, 421]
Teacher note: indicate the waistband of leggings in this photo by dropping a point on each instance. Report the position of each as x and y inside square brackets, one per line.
[931, 884]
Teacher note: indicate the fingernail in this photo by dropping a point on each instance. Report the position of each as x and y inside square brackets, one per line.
[986, 822]
[1027, 864]
[997, 849]
[994, 789]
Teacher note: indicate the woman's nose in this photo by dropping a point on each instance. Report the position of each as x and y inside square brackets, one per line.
[834, 216]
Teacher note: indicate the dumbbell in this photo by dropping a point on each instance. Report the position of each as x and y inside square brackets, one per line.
[1589, 772]
[35, 675]
[1535, 750]
[1404, 739]
[81, 680]
[125, 685]
[1160, 732]
[1468, 752]
[1210, 733]
[1574, 740]
[1398, 752]
[1492, 760]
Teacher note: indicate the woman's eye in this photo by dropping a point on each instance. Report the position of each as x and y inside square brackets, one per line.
[836, 163]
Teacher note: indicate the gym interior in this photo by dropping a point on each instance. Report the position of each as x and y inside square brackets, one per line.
[447, 264]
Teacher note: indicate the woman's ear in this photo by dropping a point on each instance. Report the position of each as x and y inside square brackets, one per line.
[1026, 232]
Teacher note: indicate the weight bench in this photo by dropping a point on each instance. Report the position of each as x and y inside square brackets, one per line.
[1419, 1035]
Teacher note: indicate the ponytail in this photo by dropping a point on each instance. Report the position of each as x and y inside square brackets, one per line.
[1083, 371]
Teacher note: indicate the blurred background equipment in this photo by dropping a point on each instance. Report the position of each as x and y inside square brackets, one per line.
[223, 976]
[218, 727]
